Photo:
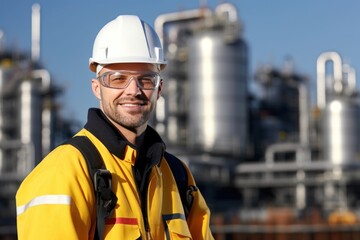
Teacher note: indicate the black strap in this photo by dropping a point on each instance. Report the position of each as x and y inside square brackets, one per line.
[181, 178]
[101, 178]
[93, 158]
[106, 199]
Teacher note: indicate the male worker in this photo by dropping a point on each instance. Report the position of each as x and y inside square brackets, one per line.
[57, 200]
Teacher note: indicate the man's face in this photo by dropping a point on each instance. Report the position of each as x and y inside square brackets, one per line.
[130, 107]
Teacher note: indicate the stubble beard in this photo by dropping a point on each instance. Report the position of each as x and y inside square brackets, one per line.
[131, 122]
[127, 120]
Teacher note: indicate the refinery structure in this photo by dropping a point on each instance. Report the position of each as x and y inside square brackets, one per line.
[31, 124]
[266, 158]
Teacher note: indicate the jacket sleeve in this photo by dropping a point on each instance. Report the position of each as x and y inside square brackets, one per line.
[54, 201]
[199, 216]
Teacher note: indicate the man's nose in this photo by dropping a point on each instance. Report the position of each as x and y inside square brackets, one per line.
[133, 87]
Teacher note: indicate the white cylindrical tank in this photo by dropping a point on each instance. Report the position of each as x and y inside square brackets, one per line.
[341, 131]
[337, 98]
[218, 93]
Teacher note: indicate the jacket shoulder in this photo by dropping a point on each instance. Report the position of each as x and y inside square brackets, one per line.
[61, 169]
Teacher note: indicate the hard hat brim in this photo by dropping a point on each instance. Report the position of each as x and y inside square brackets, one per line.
[93, 63]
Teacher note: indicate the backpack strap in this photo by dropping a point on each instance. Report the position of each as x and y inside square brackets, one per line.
[181, 178]
[101, 178]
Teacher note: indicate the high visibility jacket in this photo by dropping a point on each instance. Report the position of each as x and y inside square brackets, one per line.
[56, 200]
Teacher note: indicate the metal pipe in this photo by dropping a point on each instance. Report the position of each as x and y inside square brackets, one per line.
[44, 75]
[46, 115]
[189, 15]
[321, 78]
[35, 33]
[282, 147]
[229, 9]
[304, 114]
[350, 77]
[2, 40]
[26, 102]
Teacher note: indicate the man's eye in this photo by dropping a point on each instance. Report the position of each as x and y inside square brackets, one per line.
[118, 78]
[147, 79]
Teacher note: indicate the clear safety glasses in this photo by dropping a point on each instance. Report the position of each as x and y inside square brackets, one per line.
[121, 79]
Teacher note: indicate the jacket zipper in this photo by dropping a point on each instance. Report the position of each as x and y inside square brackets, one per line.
[143, 191]
[143, 202]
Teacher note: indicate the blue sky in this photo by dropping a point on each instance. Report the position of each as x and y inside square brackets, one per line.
[273, 30]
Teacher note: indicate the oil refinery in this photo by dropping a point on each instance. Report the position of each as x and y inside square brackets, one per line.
[271, 164]
[30, 120]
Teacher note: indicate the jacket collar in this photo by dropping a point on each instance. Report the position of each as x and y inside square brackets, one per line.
[99, 125]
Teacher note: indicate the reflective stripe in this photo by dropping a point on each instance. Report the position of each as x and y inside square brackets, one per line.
[127, 221]
[42, 200]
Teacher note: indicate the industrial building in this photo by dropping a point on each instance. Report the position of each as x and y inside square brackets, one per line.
[269, 157]
[31, 124]
[264, 158]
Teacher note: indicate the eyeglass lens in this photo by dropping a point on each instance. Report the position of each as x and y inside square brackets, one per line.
[121, 79]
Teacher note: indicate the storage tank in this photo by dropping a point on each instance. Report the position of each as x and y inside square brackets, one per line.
[218, 91]
[337, 98]
[341, 130]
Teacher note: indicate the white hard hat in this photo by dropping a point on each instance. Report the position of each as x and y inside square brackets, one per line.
[127, 39]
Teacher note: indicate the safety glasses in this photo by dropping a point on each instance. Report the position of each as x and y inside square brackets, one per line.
[121, 79]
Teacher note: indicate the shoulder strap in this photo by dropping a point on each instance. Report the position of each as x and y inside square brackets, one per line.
[92, 156]
[101, 178]
[181, 177]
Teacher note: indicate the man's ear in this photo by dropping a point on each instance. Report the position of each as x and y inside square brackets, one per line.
[95, 85]
[160, 89]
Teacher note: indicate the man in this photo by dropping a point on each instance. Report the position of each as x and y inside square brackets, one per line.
[56, 200]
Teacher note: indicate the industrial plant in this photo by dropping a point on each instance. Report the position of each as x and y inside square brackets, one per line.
[269, 162]
[31, 124]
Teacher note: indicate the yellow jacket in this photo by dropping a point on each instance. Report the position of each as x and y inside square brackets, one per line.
[56, 200]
